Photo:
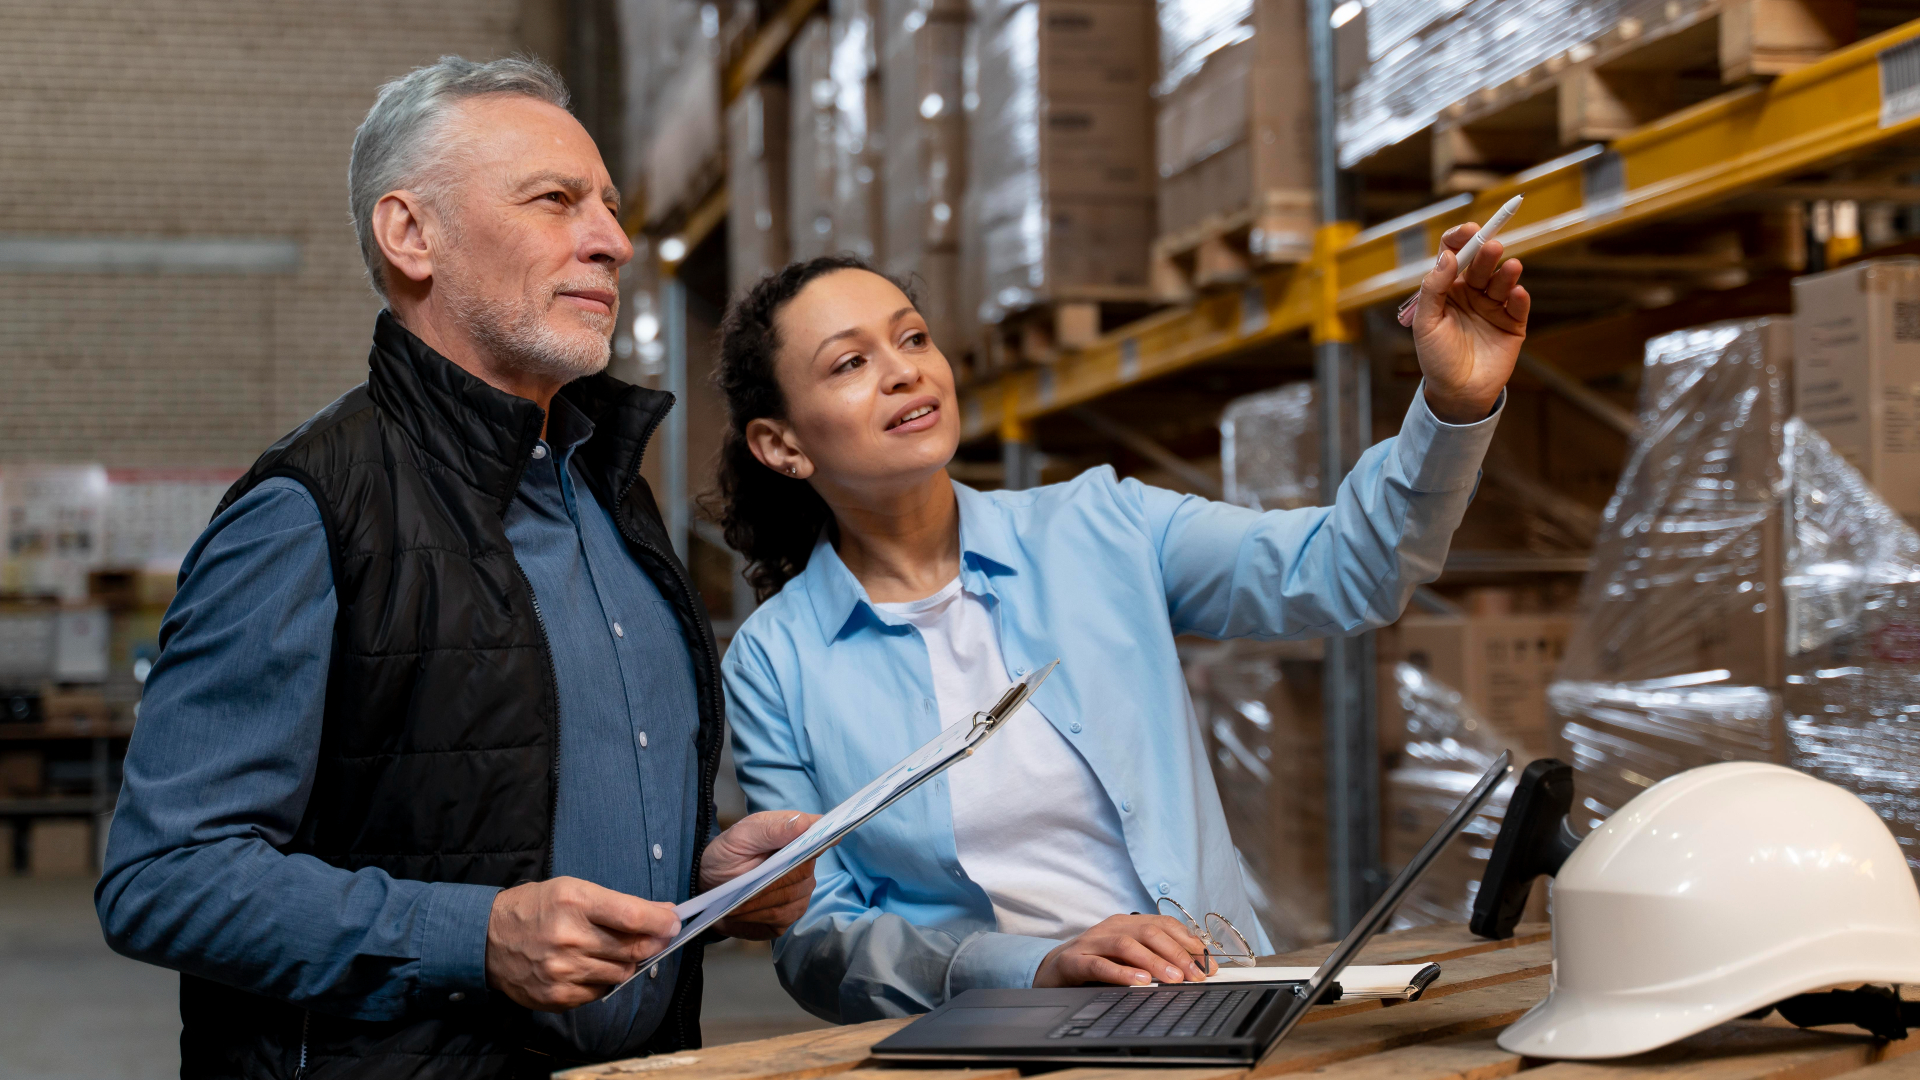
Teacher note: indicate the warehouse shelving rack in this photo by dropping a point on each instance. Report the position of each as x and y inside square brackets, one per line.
[1854, 102]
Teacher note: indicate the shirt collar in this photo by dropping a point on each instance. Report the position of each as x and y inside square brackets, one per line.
[840, 603]
[567, 428]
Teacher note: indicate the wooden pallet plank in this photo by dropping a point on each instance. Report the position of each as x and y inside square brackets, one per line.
[800, 1056]
[1743, 1050]
[1345, 1038]
[1472, 1056]
[1904, 1066]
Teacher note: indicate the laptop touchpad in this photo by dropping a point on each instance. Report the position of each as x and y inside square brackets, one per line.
[1023, 1016]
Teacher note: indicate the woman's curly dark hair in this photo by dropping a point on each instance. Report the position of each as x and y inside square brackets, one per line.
[771, 519]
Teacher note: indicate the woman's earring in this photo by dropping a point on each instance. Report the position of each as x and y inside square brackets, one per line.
[793, 470]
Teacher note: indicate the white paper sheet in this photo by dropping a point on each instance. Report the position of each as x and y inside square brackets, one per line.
[1357, 981]
[952, 744]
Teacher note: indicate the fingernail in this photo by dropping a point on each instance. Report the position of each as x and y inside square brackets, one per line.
[1173, 974]
[1142, 977]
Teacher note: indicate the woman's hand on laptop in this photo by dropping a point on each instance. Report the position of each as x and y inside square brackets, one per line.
[747, 845]
[1129, 950]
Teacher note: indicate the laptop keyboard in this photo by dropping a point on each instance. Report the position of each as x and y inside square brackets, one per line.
[1152, 1014]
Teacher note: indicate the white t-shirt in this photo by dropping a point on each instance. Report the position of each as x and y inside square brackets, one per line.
[1033, 825]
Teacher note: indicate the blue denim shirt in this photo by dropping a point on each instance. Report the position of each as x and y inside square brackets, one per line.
[824, 691]
[222, 761]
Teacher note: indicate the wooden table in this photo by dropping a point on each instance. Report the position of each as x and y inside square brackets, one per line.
[1447, 1035]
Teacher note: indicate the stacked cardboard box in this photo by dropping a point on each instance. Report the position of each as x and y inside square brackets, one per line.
[810, 141]
[1857, 371]
[923, 85]
[757, 159]
[683, 159]
[1235, 142]
[1060, 151]
[859, 141]
[1500, 664]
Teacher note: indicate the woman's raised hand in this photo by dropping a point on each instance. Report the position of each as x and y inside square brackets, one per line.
[1130, 950]
[1468, 332]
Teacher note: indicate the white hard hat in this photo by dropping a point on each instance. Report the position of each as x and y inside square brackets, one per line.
[1712, 894]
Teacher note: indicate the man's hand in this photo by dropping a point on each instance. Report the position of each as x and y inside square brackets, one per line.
[746, 846]
[555, 945]
[1129, 950]
[1468, 332]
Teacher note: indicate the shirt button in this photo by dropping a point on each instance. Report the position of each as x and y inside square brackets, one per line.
[539, 451]
[1075, 728]
[1019, 673]
[643, 740]
[617, 632]
[1127, 806]
[658, 853]
[457, 995]
[1165, 888]
[653, 972]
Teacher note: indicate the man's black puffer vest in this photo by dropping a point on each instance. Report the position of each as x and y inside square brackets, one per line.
[438, 753]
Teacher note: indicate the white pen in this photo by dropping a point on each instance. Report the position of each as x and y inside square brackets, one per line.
[1470, 249]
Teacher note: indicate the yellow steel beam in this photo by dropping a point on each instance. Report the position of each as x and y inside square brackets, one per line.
[771, 40]
[1733, 143]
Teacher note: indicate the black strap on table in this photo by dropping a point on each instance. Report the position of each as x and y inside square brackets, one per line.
[1878, 1009]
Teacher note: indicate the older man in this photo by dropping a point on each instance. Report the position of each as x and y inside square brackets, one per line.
[428, 754]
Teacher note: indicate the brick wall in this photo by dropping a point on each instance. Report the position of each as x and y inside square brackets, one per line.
[198, 120]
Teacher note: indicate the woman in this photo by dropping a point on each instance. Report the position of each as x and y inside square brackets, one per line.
[898, 601]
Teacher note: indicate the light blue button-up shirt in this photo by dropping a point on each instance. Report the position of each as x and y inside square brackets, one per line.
[824, 692]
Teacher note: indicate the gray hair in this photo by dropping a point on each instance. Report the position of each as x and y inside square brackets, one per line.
[402, 138]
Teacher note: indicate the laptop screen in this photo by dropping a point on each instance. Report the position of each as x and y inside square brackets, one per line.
[1383, 908]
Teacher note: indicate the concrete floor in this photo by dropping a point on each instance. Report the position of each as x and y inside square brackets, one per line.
[70, 1009]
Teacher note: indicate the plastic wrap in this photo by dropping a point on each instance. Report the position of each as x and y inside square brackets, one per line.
[1448, 746]
[757, 160]
[1193, 30]
[1675, 660]
[1059, 149]
[858, 138]
[810, 141]
[673, 100]
[1424, 55]
[1852, 687]
[1258, 704]
[923, 84]
[1270, 449]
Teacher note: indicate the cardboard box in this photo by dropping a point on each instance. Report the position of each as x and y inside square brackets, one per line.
[1501, 664]
[758, 236]
[1060, 146]
[810, 141]
[1236, 138]
[1857, 370]
[60, 847]
[23, 774]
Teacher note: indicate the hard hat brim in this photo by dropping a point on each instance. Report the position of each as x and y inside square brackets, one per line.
[1576, 1025]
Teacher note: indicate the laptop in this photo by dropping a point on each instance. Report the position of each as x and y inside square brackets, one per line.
[1182, 1023]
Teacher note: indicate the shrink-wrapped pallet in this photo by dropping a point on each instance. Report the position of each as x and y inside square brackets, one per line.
[673, 102]
[1258, 704]
[923, 46]
[1752, 597]
[1446, 745]
[1270, 449]
[810, 140]
[1235, 129]
[1060, 151]
[757, 156]
[859, 142]
[1420, 57]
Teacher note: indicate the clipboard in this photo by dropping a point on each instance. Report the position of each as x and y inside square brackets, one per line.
[951, 745]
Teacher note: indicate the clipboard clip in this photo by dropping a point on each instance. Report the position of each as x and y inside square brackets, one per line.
[985, 723]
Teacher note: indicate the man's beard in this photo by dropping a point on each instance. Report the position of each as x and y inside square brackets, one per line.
[519, 336]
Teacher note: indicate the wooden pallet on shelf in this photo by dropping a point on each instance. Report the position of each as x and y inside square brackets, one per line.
[1226, 250]
[1635, 73]
[1040, 334]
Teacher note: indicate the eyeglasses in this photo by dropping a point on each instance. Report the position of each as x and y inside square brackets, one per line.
[1222, 939]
